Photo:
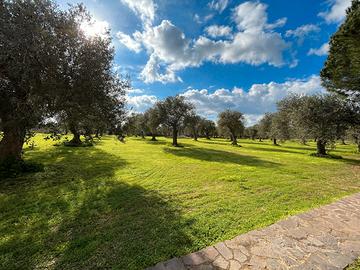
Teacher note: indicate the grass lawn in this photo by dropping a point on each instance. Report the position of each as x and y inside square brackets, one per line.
[130, 205]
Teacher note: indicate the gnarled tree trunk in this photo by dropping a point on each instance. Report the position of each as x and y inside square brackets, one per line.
[12, 142]
[234, 140]
[321, 147]
[195, 136]
[76, 139]
[174, 136]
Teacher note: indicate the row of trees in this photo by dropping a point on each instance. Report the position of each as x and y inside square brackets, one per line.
[323, 118]
[170, 117]
[50, 70]
[174, 115]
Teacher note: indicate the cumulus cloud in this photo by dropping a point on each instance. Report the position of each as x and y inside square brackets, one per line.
[323, 50]
[145, 9]
[129, 42]
[255, 42]
[218, 31]
[141, 103]
[302, 31]
[259, 99]
[252, 17]
[336, 11]
[169, 50]
[218, 5]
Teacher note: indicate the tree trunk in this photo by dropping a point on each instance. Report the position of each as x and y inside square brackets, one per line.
[195, 136]
[142, 135]
[76, 139]
[207, 136]
[174, 135]
[303, 141]
[234, 140]
[343, 141]
[12, 142]
[260, 140]
[153, 138]
[321, 147]
[275, 142]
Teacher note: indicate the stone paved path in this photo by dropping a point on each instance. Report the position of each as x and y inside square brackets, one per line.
[324, 238]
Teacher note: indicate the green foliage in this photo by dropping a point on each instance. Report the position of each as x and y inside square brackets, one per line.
[99, 207]
[173, 112]
[265, 126]
[322, 117]
[354, 266]
[342, 67]
[231, 122]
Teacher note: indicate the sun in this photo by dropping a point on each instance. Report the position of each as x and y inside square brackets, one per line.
[95, 28]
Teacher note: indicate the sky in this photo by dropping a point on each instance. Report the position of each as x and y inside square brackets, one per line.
[219, 54]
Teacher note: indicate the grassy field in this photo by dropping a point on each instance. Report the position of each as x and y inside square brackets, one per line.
[130, 205]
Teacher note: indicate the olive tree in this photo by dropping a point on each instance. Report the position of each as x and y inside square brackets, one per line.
[207, 128]
[323, 117]
[91, 92]
[173, 111]
[233, 123]
[153, 120]
[280, 128]
[264, 126]
[29, 61]
[193, 122]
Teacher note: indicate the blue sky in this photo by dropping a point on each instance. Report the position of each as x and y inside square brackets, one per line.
[220, 54]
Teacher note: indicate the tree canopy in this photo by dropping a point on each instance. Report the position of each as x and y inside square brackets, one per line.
[340, 73]
[233, 123]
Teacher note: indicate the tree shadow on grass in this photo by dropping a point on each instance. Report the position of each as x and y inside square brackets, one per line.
[212, 155]
[275, 149]
[77, 215]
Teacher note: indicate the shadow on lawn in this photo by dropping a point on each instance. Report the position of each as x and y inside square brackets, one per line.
[212, 155]
[75, 216]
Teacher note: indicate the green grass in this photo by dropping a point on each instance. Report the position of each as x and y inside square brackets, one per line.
[354, 266]
[129, 206]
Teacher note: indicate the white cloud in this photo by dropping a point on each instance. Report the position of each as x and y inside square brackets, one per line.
[218, 5]
[145, 9]
[134, 91]
[151, 72]
[253, 44]
[336, 12]
[323, 50]
[252, 17]
[303, 31]
[141, 103]
[205, 19]
[169, 50]
[129, 42]
[259, 99]
[218, 31]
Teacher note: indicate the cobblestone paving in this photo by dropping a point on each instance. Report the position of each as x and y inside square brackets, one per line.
[324, 238]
